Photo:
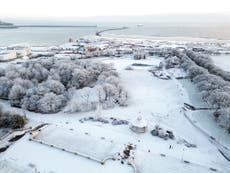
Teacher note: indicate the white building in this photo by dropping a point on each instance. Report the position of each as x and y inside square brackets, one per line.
[8, 56]
[139, 125]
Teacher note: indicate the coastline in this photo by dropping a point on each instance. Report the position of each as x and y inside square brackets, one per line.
[56, 34]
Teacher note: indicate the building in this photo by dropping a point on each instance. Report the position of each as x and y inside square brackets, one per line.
[7, 56]
[139, 125]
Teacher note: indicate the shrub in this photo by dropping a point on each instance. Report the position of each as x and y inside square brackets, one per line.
[79, 78]
[54, 86]
[51, 103]
[16, 95]
[195, 71]
[30, 102]
[172, 62]
[11, 120]
[2, 72]
[5, 87]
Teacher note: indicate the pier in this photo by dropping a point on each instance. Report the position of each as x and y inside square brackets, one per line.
[56, 26]
[111, 29]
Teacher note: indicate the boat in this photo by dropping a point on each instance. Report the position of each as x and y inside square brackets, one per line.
[5, 25]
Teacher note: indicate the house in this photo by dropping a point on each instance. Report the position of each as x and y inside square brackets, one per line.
[7, 56]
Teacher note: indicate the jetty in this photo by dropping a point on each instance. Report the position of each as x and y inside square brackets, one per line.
[111, 29]
[56, 26]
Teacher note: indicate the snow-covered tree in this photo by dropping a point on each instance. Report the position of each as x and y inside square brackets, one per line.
[2, 72]
[51, 103]
[109, 90]
[139, 55]
[30, 103]
[84, 99]
[12, 73]
[54, 86]
[112, 80]
[25, 73]
[54, 75]
[41, 90]
[172, 62]
[79, 78]
[45, 85]
[24, 83]
[195, 71]
[5, 87]
[39, 72]
[16, 95]
[200, 78]
[47, 63]
[122, 97]
[65, 72]
[105, 74]
[219, 99]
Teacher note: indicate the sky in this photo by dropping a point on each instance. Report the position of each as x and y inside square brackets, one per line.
[92, 8]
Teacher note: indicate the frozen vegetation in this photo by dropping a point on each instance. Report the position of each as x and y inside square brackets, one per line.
[46, 85]
[10, 119]
[222, 61]
[92, 93]
[211, 81]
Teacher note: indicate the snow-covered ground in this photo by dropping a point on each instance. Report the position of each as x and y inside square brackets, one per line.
[158, 101]
[222, 61]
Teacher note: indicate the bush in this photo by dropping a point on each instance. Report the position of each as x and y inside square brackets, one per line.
[51, 103]
[16, 95]
[219, 99]
[79, 78]
[16, 121]
[30, 102]
[54, 86]
[139, 55]
[5, 87]
[172, 62]
[195, 71]
[2, 72]
[11, 120]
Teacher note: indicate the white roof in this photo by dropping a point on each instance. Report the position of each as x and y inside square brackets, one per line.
[139, 122]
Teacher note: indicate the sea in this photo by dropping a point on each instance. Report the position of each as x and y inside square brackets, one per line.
[58, 35]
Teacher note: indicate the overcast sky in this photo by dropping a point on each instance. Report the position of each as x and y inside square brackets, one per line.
[88, 8]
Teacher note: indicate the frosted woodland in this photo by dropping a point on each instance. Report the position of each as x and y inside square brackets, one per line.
[48, 85]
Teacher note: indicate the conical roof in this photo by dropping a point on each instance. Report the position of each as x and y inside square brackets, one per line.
[139, 122]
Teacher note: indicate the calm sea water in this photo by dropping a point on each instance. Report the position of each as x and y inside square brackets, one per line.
[42, 36]
[56, 36]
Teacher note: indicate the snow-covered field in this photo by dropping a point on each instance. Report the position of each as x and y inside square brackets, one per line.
[222, 61]
[159, 101]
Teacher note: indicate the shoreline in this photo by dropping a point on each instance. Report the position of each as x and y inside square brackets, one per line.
[130, 37]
